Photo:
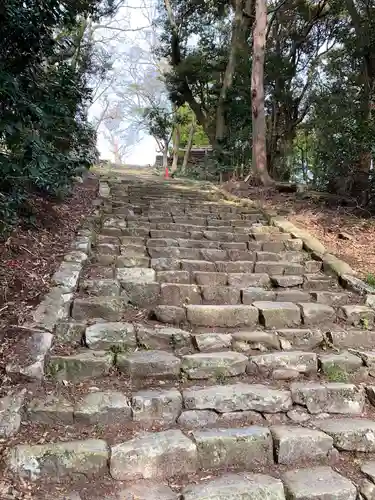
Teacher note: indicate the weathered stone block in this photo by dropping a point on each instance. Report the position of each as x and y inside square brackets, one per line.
[300, 361]
[170, 314]
[212, 342]
[237, 487]
[314, 314]
[357, 314]
[221, 295]
[210, 278]
[298, 444]
[177, 295]
[107, 308]
[226, 316]
[153, 456]
[103, 407]
[197, 418]
[318, 483]
[103, 336]
[330, 397]
[59, 460]
[136, 275]
[144, 295]
[53, 409]
[238, 266]
[247, 447]
[193, 266]
[214, 365]
[253, 294]
[182, 277]
[146, 364]
[345, 361]
[350, 434]
[237, 397]
[157, 406]
[301, 338]
[10, 413]
[246, 280]
[85, 365]
[278, 314]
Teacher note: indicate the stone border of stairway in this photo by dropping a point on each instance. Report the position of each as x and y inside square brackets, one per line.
[34, 339]
[331, 264]
[31, 342]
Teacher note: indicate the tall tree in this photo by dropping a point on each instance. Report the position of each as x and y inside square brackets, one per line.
[257, 94]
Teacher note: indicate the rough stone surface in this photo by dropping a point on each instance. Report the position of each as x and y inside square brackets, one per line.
[103, 407]
[197, 418]
[136, 275]
[164, 338]
[144, 295]
[345, 361]
[153, 456]
[145, 364]
[295, 444]
[315, 314]
[301, 362]
[214, 364]
[368, 468]
[246, 447]
[157, 406]
[52, 409]
[146, 490]
[212, 342]
[317, 484]
[10, 413]
[358, 314]
[67, 276]
[28, 359]
[351, 434]
[106, 308]
[97, 287]
[245, 486]
[225, 316]
[102, 336]
[302, 338]
[58, 460]
[84, 365]
[170, 314]
[237, 397]
[330, 397]
[278, 314]
[258, 340]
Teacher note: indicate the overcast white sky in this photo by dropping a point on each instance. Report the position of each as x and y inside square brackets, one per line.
[144, 151]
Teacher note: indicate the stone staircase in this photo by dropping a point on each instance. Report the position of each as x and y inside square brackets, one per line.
[207, 357]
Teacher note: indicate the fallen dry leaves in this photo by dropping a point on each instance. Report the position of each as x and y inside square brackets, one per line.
[323, 221]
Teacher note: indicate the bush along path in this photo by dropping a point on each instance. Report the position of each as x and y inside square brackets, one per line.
[192, 349]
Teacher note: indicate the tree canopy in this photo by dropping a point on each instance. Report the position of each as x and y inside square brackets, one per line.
[319, 81]
[46, 63]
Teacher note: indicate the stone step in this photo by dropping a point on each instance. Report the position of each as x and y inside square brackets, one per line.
[217, 407]
[270, 314]
[171, 453]
[171, 250]
[294, 484]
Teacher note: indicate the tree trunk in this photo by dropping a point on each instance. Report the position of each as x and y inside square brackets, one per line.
[165, 156]
[257, 95]
[176, 147]
[189, 146]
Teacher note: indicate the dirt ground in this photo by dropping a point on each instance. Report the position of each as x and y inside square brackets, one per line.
[30, 256]
[347, 232]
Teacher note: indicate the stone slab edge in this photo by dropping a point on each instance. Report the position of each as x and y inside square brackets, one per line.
[331, 264]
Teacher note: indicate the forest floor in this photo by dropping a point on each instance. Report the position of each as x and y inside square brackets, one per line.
[31, 254]
[347, 232]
